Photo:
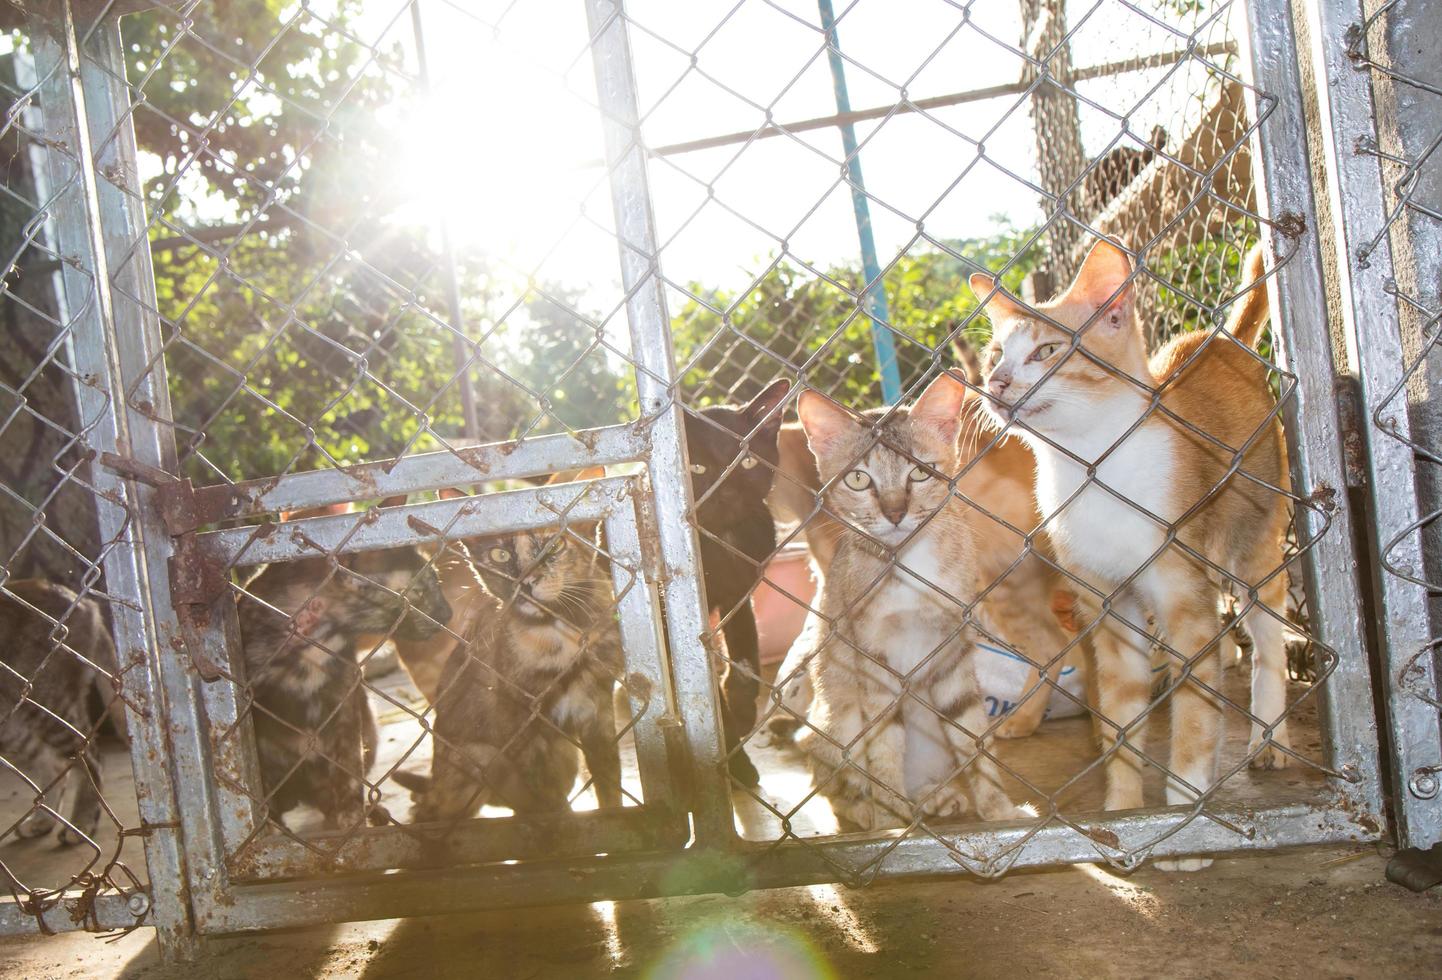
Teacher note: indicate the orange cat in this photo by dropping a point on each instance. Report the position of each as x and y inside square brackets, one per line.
[1072, 378]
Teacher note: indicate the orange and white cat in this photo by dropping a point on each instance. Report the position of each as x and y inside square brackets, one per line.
[1155, 476]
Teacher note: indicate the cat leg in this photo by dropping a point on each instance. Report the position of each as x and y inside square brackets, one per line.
[1269, 676]
[1196, 715]
[740, 688]
[46, 768]
[793, 680]
[849, 739]
[602, 751]
[85, 807]
[965, 723]
[1124, 687]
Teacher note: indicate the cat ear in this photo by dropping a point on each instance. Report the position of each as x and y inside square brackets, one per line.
[395, 501]
[1103, 283]
[761, 410]
[451, 493]
[571, 476]
[998, 305]
[939, 407]
[826, 423]
[308, 616]
[325, 510]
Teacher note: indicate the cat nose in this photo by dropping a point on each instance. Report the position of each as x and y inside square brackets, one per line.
[999, 383]
[894, 512]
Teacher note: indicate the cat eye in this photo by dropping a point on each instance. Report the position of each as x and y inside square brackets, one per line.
[919, 474]
[749, 463]
[1043, 352]
[857, 480]
[499, 555]
[697, 468]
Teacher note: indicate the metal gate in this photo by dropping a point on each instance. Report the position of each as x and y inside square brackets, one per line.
[179, 530]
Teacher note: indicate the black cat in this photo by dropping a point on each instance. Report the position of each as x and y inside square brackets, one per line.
[737, 535]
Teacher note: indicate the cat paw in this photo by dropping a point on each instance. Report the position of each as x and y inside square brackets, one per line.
[1017, 725]
[1183, 865]
[1270, 756]
[36, 825]
[948, 803]
[742, 769]
[70, 836]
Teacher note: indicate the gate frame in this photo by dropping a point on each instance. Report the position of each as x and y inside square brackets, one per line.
[126, 345]
[1373, 330]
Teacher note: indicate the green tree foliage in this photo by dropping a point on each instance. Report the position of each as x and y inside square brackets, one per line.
[304, 306]
[733, 344]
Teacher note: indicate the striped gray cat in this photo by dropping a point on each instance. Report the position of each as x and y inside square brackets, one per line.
[56, 688]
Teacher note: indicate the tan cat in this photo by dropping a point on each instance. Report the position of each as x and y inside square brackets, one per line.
[1073, 379]
[999, 479]
[896, 725]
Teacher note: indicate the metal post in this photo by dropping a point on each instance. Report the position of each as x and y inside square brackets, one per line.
[874, 297]
[459, 349]
[1368, 283]
[1311, 415]
[84, 101]
[655, 365]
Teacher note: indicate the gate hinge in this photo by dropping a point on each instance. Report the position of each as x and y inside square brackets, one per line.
[174, 496]
[1348, 392]
[197, 580]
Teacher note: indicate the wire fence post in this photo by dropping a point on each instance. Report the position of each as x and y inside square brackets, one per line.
[874, 297]
[470, 415]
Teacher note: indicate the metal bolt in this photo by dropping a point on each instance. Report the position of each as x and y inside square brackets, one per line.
[208, 874]
[1423, 784]
[139, 903]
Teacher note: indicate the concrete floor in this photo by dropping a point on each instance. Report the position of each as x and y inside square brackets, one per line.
[1310, 913]
[1313, 914]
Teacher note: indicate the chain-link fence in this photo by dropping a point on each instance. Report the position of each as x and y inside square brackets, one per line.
[451, 562]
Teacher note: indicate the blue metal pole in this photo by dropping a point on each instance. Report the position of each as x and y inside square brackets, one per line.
[874, 297]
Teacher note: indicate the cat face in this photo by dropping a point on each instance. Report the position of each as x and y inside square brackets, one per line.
[394, 592]
[543, 577]
[714, 440]
[888, 482]
[1042, 365]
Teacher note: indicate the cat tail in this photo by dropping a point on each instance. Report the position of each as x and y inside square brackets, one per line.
[413, 781]
[1249, 312]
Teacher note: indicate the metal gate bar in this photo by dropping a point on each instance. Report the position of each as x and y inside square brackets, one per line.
[117, 344]
[1369, 312]
[667, 463]
[1313, 426]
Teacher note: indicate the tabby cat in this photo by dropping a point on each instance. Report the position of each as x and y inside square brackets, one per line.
[1073, 379]
[533, 683]
[56, 687]
[896, 726]
[998, 477]
[299, 623]
[737, 535]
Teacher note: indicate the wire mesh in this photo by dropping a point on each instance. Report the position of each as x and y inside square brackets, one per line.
[70, 822]
[382, 238]
[1148, 145]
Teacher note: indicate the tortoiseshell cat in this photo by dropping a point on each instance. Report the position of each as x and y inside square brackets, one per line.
[531, 690]
[737, 535]
[299, 625]
[55, 689]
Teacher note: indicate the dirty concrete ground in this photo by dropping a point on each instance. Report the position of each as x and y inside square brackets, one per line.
[1315, 913]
